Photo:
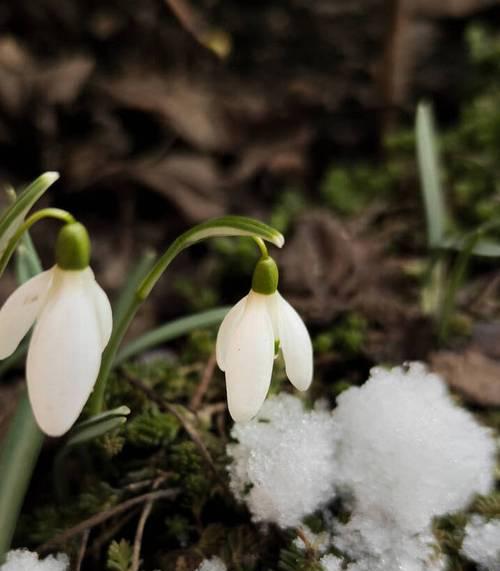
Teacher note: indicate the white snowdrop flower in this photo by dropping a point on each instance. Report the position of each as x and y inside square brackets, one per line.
[246, 344]
[482, 543]
[73, 323]
[24, 560]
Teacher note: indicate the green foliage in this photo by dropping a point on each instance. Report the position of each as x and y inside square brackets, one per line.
[190, 472]
[119, 556]
[347, 336]
[348, 190]
[293, 558]
[290, 203]
[199, 296]
[151, 429]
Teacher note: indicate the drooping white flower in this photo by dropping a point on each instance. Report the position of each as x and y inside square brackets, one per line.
[73, 323]
[245, 344]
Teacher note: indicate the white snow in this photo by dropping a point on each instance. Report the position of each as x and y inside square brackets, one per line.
[407, 452]
[377, 545]
[24, 560]
[284, 462]
[331, 563]
[482, 543]
[399, 451]
[213, 564]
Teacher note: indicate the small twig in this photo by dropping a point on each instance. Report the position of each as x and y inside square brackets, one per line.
[189, 19]
[136, 553]
[101, 517]
[206, 378]
[83, 548]
[146, 510]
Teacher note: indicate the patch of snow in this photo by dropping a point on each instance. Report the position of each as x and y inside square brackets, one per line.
[482, 543]
[407, 452]
[213, 564]
[378, 545]
[24, 560]
[283, 465]
[331, 563]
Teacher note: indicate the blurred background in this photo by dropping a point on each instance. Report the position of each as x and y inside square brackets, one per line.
[162, 113]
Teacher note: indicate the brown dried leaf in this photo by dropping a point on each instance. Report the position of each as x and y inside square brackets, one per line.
[62, 82]
[191, 182]
[471, 373]
[190, 109]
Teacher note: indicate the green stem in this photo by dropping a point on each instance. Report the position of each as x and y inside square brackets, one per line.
[262, 247]
[456, 279]
[224, 226]
[56, 213]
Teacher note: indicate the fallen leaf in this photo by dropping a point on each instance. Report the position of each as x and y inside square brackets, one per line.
[470, 373]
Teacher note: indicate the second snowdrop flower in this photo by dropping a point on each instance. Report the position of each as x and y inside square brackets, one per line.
[246, 343]
[73, 326]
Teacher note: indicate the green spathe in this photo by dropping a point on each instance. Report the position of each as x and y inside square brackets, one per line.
[265, 276]
[73, 247]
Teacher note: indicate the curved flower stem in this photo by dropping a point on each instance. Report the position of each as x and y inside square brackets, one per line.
[224, 226]
[262, 247]
[56, 213]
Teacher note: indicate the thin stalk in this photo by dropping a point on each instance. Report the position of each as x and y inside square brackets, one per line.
[456, 279]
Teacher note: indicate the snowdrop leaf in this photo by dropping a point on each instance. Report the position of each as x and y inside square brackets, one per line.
[96, 430]
[428, 164]
[121, 411]
[13, 216]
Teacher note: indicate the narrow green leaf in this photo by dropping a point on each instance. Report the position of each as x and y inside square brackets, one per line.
[483, 248]
[120, 411]
[170, 331]
[95, 431]
[14, 215]
[428, 163]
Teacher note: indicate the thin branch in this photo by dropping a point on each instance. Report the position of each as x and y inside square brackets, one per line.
[136, 553]
[206, 379]
[101, 517]
[83, 548]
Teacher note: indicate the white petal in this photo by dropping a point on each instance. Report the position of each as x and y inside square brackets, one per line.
[249, 360]
[20, 311]
[226, 331]
[64, 354]
[296, 346]
[103, 311]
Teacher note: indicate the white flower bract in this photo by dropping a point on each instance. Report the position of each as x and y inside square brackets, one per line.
[73, 323]
[245, 350]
